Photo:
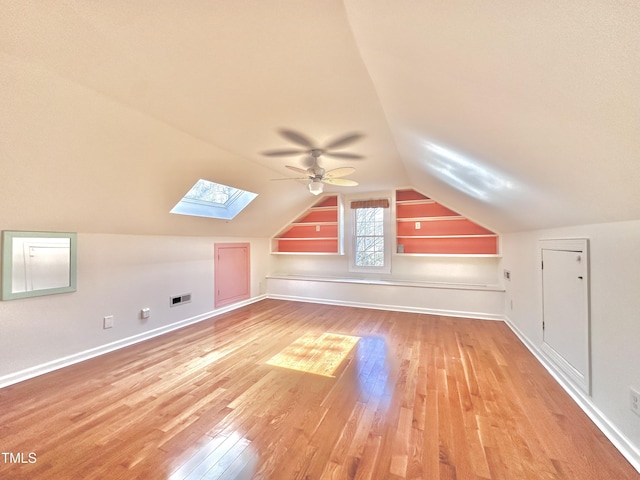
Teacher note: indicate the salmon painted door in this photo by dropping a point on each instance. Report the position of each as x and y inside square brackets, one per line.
[231, 273]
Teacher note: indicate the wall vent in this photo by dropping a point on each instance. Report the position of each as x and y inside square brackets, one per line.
[180, 299]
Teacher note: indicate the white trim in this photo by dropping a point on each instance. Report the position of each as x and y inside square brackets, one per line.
[617, 438]
[392, 308]
[576, 376]
[565, 244]
[59, 363]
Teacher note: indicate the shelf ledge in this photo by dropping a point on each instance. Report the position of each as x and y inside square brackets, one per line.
[473, 235]
[306, 238]
[401, 283]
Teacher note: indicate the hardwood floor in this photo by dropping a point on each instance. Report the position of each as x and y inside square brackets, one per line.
[418, 396]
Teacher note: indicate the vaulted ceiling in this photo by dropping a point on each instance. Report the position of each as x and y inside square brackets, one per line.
[520, 115]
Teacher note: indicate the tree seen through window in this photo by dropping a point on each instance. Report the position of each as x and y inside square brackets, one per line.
[369, 237]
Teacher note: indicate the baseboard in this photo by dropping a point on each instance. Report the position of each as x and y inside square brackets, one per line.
[393, 308]
[59, 363]
[617, 438]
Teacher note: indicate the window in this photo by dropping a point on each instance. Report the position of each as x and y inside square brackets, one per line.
[370, 239]
[211, 192]
[214, 200]
[369, 247]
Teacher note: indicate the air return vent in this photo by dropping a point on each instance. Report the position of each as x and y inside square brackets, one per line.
[180, 299]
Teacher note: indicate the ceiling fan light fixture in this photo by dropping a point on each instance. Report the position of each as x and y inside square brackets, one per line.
[315, 187]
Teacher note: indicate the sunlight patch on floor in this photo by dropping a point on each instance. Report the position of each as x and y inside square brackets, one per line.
[319, 354]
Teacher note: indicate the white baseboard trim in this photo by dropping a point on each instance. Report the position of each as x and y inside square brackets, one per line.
[59, 363]
[619, 440]
[393, 308]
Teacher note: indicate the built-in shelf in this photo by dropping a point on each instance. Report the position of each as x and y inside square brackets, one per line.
[425, 227]
[318, 231]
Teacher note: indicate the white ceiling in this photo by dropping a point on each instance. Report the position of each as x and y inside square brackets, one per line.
[521, 115]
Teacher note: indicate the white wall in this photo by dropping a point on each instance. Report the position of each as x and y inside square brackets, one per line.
[416, 283]
[117, 275]
[615, 314]
[435, 299]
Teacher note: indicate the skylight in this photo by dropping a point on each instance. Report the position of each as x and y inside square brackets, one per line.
[213, 200]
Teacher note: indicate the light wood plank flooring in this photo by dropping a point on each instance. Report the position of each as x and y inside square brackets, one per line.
[418, 396]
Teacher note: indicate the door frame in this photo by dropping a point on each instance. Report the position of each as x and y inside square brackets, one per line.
[581, 379]
[218, 275]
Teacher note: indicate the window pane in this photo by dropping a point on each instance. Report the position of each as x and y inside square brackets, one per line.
[361, 228]
[211, 199]
[369, 241]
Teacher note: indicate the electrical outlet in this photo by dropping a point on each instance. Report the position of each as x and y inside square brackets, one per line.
[635, 402]
[145, 313]
[107, 322]
[507, 274]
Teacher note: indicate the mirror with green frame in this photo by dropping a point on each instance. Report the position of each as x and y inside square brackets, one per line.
[38, 263]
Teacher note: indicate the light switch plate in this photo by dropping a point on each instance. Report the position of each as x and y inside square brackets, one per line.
[635, 402]
[107, 322]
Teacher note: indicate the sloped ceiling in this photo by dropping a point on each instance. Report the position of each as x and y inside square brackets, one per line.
[520, 115]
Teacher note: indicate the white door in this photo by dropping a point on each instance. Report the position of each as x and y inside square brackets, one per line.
[566, 308]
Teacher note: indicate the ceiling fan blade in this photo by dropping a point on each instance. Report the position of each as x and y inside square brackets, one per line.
[296, 137]
[344, 140]
[350, 156]
[339, 172]
[296, 169]
[289, 178]
[283, 152]
[341, 182]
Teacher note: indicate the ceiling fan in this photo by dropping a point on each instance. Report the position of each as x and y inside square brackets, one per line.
[309, 147]
[318, 176]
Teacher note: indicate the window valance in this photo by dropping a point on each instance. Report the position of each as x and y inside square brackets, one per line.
[380, 203]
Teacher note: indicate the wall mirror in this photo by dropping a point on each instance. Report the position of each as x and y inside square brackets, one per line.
[37, 263]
